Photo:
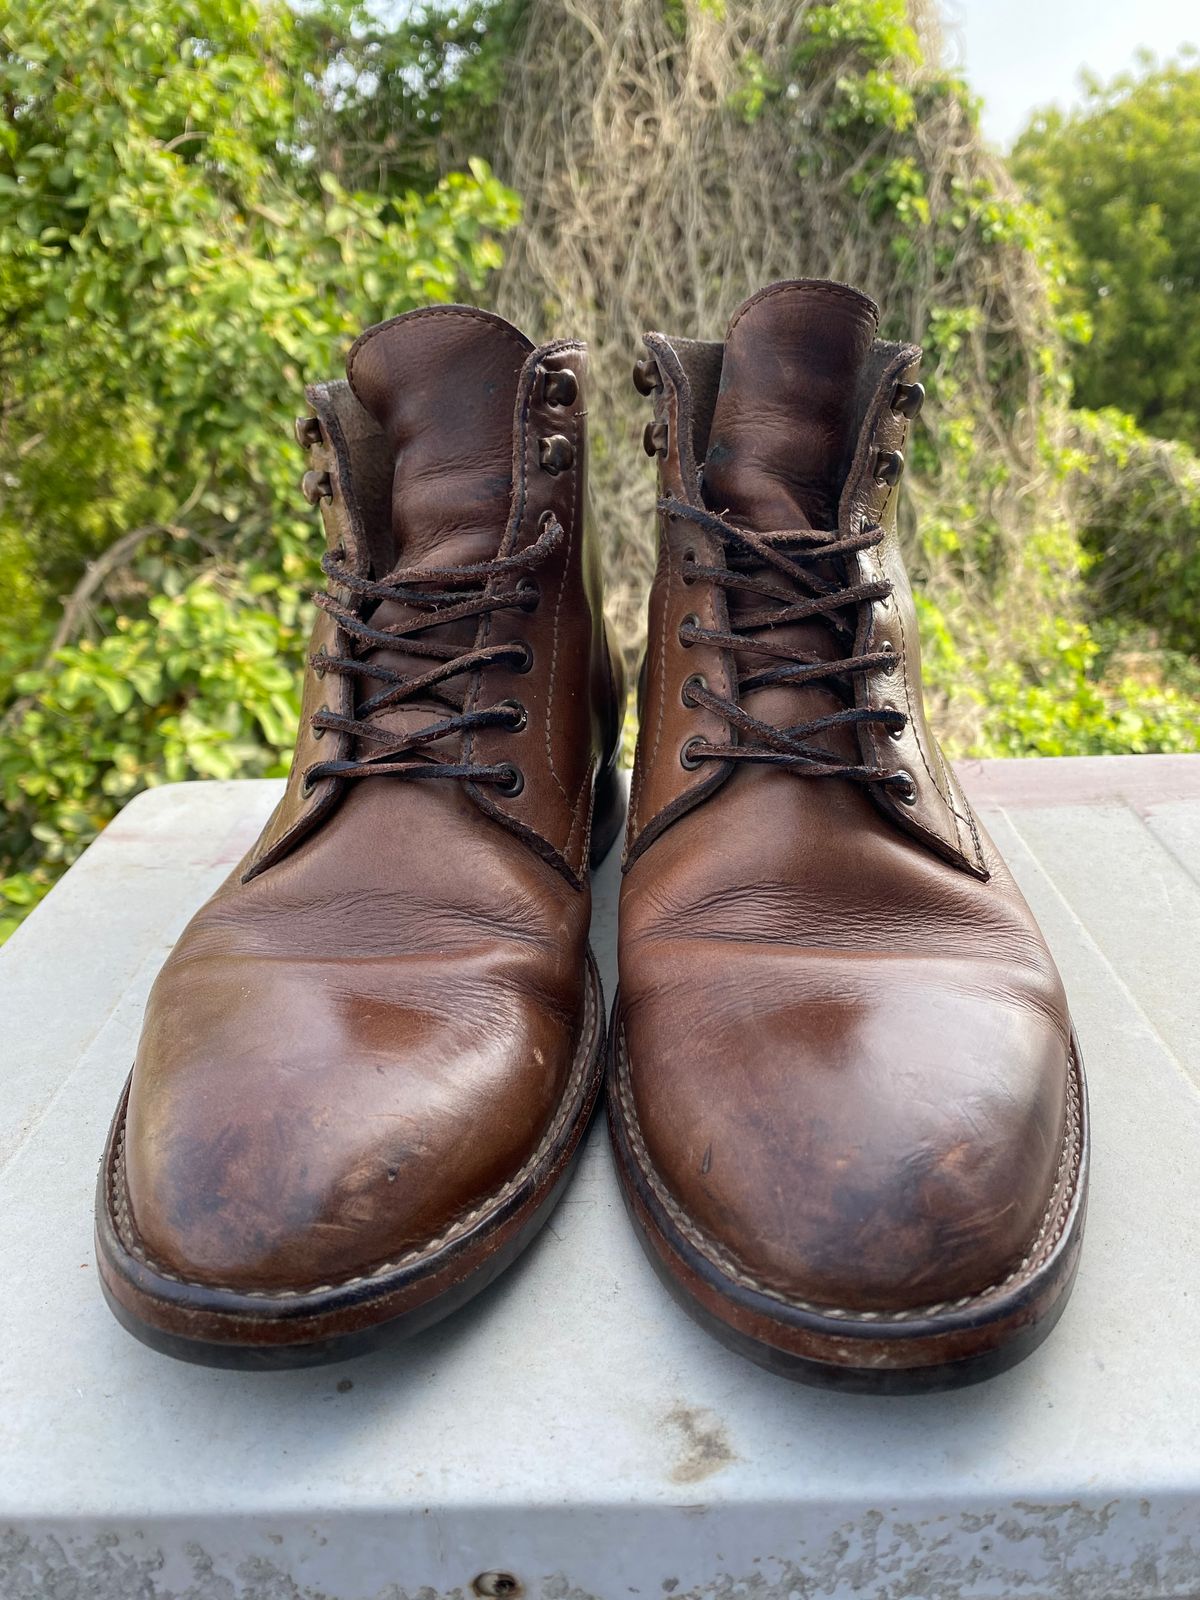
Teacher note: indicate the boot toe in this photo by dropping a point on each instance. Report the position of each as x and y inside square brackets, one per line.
[862, 1154]
[352, 1138]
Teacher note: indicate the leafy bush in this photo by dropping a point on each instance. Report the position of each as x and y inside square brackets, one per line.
[1120, 176]
[1138, 506]
[176, 254]
[1077, 692]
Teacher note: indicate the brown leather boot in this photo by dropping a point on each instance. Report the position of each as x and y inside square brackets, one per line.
[369, 1060]
[846, 1097]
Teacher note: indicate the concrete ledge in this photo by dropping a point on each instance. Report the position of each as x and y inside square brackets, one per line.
[573, 1429]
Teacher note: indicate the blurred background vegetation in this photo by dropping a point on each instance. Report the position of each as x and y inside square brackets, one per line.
[202, 203]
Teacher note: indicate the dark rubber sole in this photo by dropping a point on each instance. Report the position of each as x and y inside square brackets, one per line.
[930, 1348]
[226, 1328]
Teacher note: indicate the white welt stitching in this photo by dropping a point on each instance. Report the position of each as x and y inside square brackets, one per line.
[1047, 1236]
[123, 1220]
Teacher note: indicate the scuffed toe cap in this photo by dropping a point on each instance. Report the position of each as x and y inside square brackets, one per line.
[858, 1152]
[353, 1135]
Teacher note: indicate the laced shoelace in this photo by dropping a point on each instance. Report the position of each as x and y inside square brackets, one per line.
[442, 595]
[793, 556]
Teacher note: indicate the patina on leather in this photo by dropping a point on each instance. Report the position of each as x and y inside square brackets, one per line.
[841, 1046]
[367, 1036]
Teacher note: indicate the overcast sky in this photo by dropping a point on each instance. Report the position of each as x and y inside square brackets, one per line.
[1022, 54]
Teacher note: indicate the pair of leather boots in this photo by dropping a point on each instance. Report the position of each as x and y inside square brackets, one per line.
[846, 1100]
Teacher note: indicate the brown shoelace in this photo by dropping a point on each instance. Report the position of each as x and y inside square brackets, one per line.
[444, 595]
[794, 555]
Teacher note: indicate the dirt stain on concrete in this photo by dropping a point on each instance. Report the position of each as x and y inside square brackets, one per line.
[702, 1443]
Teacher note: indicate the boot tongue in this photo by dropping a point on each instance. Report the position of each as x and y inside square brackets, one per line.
[442, 384]
[783, 429]
[783, 434]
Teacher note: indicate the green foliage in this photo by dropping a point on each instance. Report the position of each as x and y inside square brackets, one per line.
[1138, 502]
[867, 40]
[202, 685]
[1068, 690]
[757, 86]
[176, 254]
[678, 13]
[414, 88]
[1076, 700]
[880, 102]
[874, 33]
[1121, 177]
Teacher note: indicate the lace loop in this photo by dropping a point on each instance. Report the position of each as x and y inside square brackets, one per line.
[805, 594]
[439, 595]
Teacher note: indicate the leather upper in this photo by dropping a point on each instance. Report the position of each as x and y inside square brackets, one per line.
[370, 1026]
[381, 476]
[847, 1043]
[686, 398]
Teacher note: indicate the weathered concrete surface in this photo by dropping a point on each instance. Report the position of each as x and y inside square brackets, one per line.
[574, 1430]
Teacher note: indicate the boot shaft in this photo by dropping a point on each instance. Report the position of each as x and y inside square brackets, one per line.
[455, 443]
[801, 415]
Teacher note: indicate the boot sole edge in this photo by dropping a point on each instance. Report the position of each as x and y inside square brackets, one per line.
[877, 1354]
[237, 1329]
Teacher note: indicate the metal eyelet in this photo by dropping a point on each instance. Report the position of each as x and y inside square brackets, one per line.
[520, 714]
[319, 732]
[525, 663]
[511, 786]
[907, 399]
[655, 438]
[696, 681]
[690, 621]
[895, 730]
[647, 379]
[556, 454]
[889, 464]
[307, 786]
[687, 759]
[318, 662]
[904, 786]
[530, 591]
[316, 486]
[561, 387]
[889, 649]
[688, 555]
[308, 432]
